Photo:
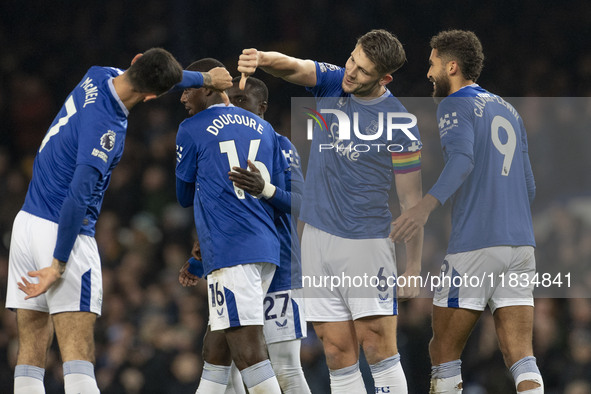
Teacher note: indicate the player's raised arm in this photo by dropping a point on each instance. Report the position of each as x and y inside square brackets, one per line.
[294, 70]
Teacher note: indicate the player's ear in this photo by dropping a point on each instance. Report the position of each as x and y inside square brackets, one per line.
[136, 57]
[263, 107]
[452, 67]
[150, 97]
[386, 79]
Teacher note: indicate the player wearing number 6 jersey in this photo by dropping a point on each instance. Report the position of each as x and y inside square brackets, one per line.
[53, 234]
[345, 207]
[236, 231]
[489, 180]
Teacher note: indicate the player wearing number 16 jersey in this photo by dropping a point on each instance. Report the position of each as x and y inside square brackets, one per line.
[489, 181]
[237, 235]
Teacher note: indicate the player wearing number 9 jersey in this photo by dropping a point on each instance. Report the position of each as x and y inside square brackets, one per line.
[492, 206]
[237, 235]
[489, 180]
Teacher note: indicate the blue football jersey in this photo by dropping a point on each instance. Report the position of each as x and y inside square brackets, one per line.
[289, 273]
[233, 226]
[89, 129]
[347, 187]
[492, 205]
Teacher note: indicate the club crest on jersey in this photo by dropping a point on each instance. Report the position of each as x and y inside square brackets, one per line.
[108, 140]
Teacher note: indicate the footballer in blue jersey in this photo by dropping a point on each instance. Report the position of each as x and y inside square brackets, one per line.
[351, 200]
[284, 306]
[345, 205]
[233, 227]
[52, 239]
[237, 235]
[489, 181]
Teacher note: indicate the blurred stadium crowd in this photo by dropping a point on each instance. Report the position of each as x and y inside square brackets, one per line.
[149, 336]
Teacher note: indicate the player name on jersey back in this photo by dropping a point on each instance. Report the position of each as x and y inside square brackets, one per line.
[218, 123]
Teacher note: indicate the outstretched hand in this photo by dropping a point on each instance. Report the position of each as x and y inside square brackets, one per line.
[251, 181]
[47, 277]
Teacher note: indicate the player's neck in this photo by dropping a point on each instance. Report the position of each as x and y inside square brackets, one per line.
[126, 94]
[375, 93]
[458, 84]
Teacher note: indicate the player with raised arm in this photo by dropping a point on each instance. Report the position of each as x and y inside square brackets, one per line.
[345, 207]
[489, 180]
[236, 231]
[71, 172]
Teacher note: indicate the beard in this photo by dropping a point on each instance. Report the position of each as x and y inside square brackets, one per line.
[441, 88]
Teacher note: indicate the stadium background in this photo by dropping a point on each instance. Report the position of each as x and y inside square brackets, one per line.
[149, 337]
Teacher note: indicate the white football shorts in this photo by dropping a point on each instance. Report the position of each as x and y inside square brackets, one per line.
[284, 316]
[347, 279]
[31, 248]
[236, 295]
[499, 276]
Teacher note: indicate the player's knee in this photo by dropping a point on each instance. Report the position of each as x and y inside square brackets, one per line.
[376, 341]
[247, 358]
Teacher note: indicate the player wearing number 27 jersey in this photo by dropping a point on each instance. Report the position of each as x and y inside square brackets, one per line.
[492, 207]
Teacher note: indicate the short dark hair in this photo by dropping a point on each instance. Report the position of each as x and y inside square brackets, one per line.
[383, 49]
[462, 46]
[205, 64]
[155, 72]
[259, 87]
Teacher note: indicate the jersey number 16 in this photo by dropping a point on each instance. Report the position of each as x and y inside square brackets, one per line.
[229, 148]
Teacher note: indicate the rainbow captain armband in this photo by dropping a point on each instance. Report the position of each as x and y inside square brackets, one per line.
[195, 267]
[404, 162]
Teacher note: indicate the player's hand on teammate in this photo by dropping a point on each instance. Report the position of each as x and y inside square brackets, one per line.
[47, 277]
[407, 225]
[219, 79]
[247, 65]
[412, 221]
[251, 181]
